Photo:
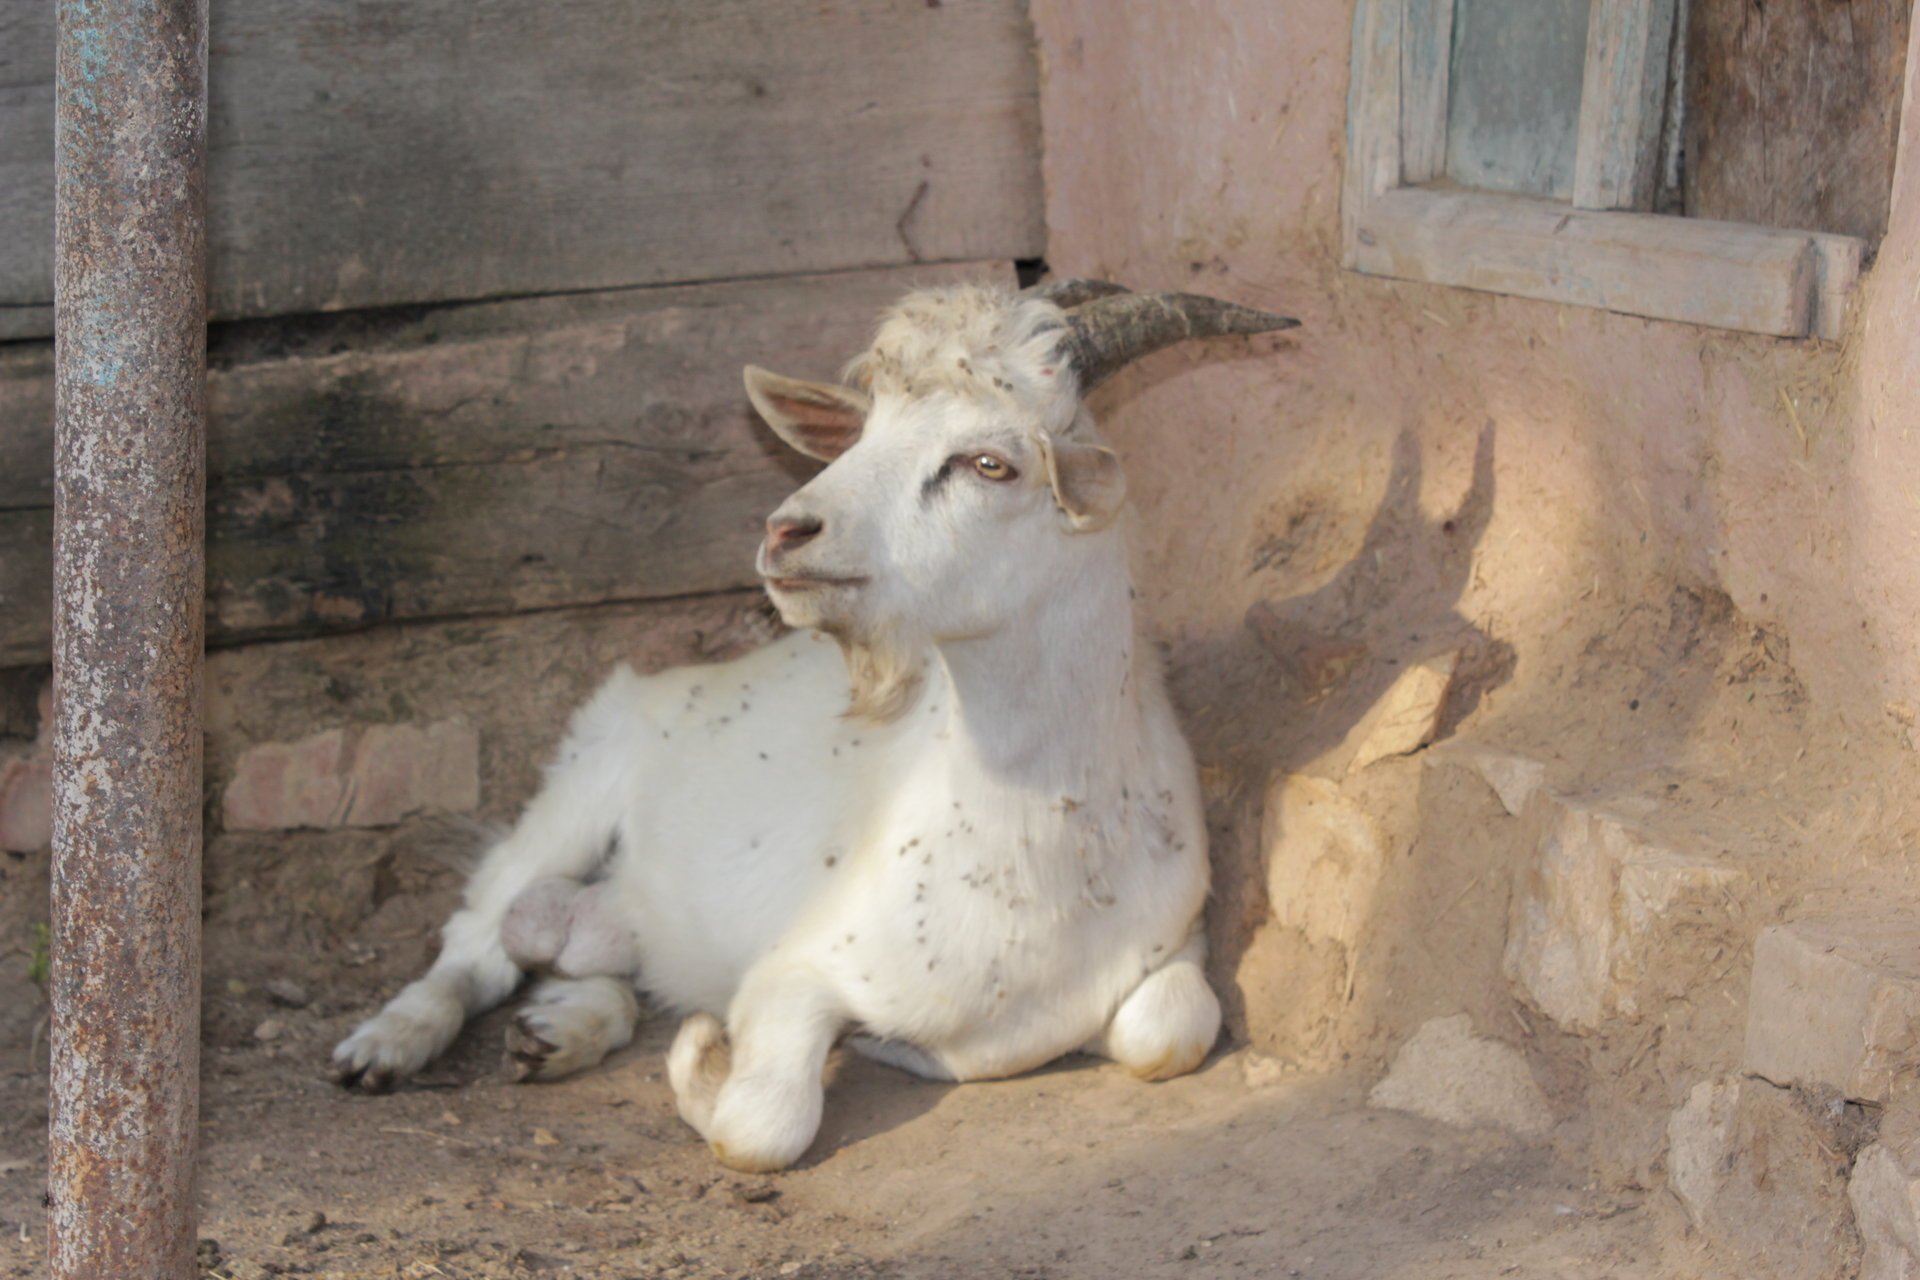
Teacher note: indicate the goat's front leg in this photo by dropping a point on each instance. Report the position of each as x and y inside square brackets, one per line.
[754, 1090]
[1167, 1025]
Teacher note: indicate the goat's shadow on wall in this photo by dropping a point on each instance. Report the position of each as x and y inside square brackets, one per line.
[1289, 686]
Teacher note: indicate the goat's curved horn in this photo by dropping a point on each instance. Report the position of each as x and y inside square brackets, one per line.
[1072, 291]
[1110, 332]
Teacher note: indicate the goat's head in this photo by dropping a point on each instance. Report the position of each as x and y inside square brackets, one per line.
[966, 474]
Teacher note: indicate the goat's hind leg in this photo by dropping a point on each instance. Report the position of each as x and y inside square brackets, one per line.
[563, 832]
[1167, 1025]
[570, 930]
[570, 1024]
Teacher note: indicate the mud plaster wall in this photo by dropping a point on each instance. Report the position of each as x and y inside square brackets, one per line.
[1428, 466]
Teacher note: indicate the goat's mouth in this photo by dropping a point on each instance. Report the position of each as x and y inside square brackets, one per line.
[812, 583]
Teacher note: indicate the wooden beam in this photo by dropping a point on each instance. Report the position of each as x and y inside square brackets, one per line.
[1690, 269]
[476, 459]
[1623, 101]
[1837, 264]
[367, 155]
[1373, 117]
[1426, 51]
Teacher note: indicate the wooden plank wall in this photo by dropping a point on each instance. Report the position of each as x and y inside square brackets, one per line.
[1793, 112]
[365, 154]
[478, 460]
[438, 457]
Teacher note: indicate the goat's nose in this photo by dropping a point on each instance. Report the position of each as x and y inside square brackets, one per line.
[785, 532]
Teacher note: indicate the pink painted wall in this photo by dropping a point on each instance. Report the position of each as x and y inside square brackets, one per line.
[1315, 511]
[1198, 144]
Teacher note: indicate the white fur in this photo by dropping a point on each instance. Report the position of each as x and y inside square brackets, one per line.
[1008, 868]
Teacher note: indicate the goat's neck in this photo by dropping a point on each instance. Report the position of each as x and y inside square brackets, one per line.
[1051, 701]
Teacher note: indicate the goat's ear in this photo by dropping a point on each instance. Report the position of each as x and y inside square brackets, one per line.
[819, 419]
[1088, 482]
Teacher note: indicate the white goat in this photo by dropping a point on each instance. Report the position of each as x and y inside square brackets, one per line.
[995, 857]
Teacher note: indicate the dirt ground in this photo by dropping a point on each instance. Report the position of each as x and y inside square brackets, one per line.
[1075, 1171]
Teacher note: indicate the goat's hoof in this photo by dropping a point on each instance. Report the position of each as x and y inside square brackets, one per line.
[381, 1053]
[529, 1054]
[1177, 1061]
[740, 1163]
[366, 1078]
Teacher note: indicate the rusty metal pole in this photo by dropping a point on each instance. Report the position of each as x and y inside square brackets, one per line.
[129, 570]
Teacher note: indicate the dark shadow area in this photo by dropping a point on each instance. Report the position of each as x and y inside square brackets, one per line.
[1318, 662]
[1301, 673]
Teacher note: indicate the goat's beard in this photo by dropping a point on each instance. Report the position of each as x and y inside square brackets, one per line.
[884, 672]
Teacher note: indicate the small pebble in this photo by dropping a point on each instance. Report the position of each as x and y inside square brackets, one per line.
[754, 1192]
[287, 993]
[270, 1030]
[545, 1138]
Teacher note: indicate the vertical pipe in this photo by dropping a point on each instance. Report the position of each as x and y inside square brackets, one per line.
[130, 476]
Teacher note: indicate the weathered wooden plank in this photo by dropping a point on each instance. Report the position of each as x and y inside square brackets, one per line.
[1373, 116]
[1793, 112]
[1837, 261]
[1513, 102]
[366, 155]
[25, 322]
[26, 587]
[1426, 53]
[1623, 100]
[475, 459]
[26, 168]
[1690, 269]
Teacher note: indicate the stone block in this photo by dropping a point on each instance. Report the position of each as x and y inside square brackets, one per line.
[1835, 1003]
[26, 803]
[26, 785]
[1324, 858]
[1762, 1172]
[1447, 1073]
[1700, 1150]
[1884, 1191]
[1407, 716]
[403, 769]
[1513, 778]
[1594, 902]
[280, 786]
[328, 779]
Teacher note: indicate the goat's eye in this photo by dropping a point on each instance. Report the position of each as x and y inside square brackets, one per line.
[989, 467]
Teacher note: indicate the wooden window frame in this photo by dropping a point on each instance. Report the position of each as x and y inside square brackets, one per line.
[1596, 251]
